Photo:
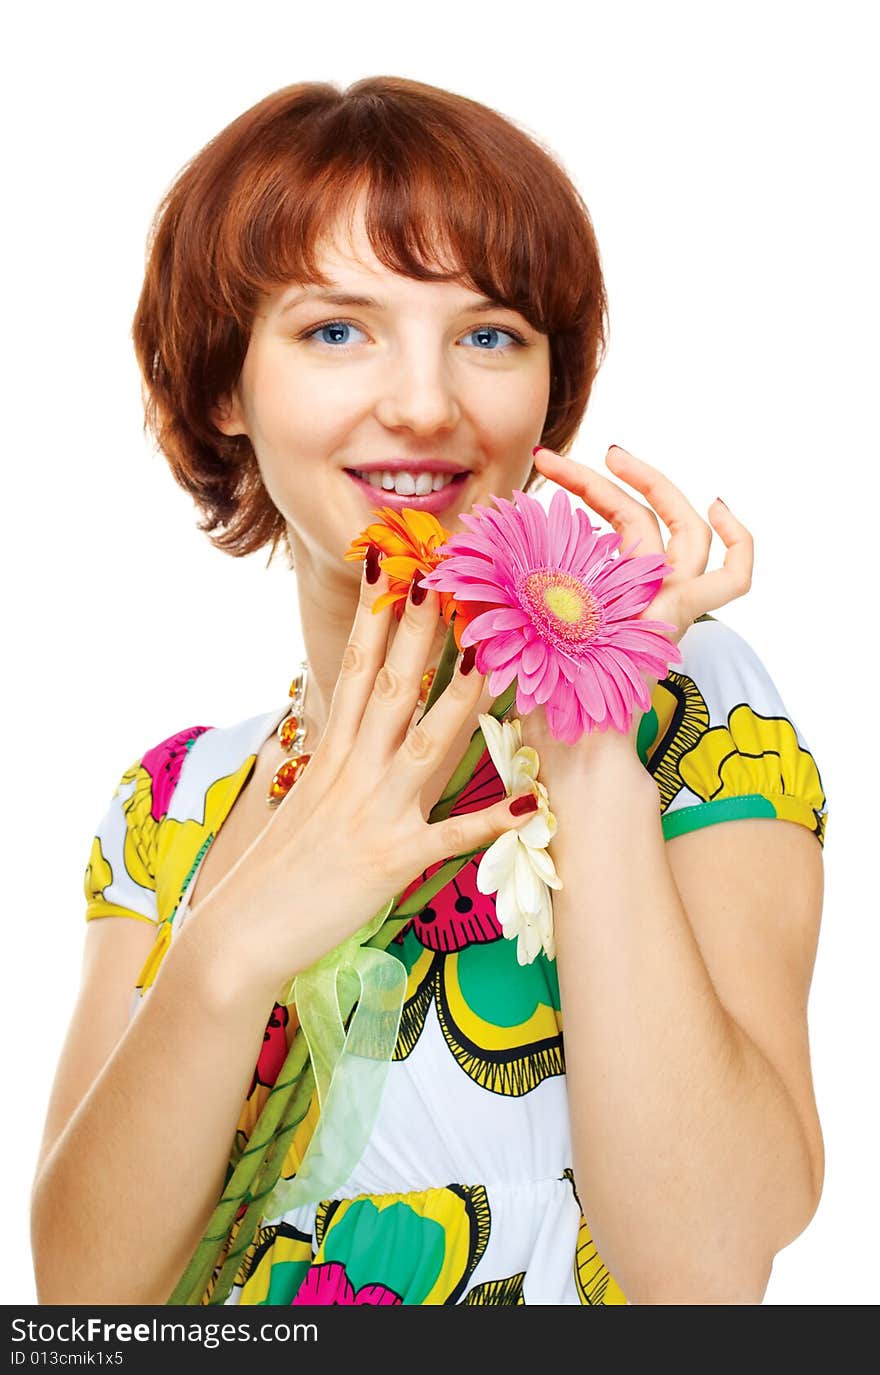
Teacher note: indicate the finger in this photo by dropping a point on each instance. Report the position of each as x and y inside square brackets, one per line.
[734, 578]
[428, 745]
[691, 536]
[362, 659]
[474, 831]
[632, 521]
[398, 683]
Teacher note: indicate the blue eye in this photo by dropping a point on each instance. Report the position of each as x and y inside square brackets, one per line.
[496, 330]
[331, 325]
[338, 347]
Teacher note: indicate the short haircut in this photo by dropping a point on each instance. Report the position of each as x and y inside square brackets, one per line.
[441, 172]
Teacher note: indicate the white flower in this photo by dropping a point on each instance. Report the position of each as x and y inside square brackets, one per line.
[517, 866]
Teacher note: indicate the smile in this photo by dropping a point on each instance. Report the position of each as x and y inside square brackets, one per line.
[424, 491]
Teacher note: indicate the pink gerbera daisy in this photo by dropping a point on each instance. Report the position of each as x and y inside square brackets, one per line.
[565, 615]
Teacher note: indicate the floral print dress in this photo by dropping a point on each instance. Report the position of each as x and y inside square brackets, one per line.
[465, 1191]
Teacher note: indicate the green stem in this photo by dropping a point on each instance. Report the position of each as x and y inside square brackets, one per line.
[470, 759]
[445, 668]
[266, 1150]
[264, 1183]
[288, 1102]
[195, 1277]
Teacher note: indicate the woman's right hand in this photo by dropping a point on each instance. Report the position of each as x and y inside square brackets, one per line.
[351, 833]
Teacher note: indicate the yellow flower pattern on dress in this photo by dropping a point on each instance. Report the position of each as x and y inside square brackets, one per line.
[760, 755]
[465, 1192]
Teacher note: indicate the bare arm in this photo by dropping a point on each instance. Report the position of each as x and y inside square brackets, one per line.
[124, 1190]
[143, 1114]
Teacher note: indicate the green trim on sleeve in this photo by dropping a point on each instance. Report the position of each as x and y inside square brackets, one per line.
[693, 818]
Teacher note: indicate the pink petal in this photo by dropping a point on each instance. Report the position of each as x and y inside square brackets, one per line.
[465, 565]
[636, 637]
[618, 698]
[560, 521]
[498, 651]
[568, 669]
[510, 533]
[629, 604]
[490, 622]
[563, 718]
[595, 557]
[588, 686]
[579, 541]
[525, 703]
[547, 685]
[626, 666]
[534, 656]
[473, 591]
[500, 680]
[529, 681]
[623, 573]
[534, 519]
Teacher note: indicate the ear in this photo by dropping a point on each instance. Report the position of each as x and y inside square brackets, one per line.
[227, 416]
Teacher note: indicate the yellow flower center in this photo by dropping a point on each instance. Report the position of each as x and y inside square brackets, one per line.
[561, 606]
[564, 603]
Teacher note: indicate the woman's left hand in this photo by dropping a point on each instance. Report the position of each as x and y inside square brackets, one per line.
[688, 590]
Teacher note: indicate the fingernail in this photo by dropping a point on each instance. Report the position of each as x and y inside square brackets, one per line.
[468, 657]
[418, 594]
[372, 563]
[723, 503]
[537, 449]
[519, 805]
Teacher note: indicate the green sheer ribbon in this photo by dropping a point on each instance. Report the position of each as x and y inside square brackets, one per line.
[350, 1067]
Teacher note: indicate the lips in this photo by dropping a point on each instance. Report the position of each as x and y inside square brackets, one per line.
[433, 501]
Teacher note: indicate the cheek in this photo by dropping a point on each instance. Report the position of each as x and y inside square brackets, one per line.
[300, 413]
[515, 412]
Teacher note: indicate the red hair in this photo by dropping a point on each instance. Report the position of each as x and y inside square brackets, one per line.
[244, 216]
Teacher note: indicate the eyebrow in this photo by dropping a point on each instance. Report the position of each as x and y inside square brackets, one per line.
[344, 298]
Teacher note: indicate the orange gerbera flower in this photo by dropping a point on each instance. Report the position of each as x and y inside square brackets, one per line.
[408, 543]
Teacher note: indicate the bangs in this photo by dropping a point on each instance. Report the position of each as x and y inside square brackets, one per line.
[435, 209]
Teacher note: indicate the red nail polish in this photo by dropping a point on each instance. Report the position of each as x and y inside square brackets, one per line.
[536, 448]
[372, 562]
[418, 594]
[524, 804]
[468, 658]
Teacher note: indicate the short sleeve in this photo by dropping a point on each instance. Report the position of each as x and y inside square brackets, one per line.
[120, 877]
[721, 743]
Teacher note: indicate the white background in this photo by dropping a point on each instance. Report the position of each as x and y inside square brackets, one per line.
[726, 153]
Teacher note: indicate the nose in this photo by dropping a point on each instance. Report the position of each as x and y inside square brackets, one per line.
[419, 396]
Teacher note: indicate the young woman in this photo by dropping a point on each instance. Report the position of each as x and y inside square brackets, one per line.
[389, 296]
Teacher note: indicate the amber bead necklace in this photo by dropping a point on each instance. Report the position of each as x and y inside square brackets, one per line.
[291, 733]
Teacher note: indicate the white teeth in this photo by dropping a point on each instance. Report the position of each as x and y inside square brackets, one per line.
[406, 484]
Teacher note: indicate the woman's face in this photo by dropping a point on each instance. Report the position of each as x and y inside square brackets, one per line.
[423, 374]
